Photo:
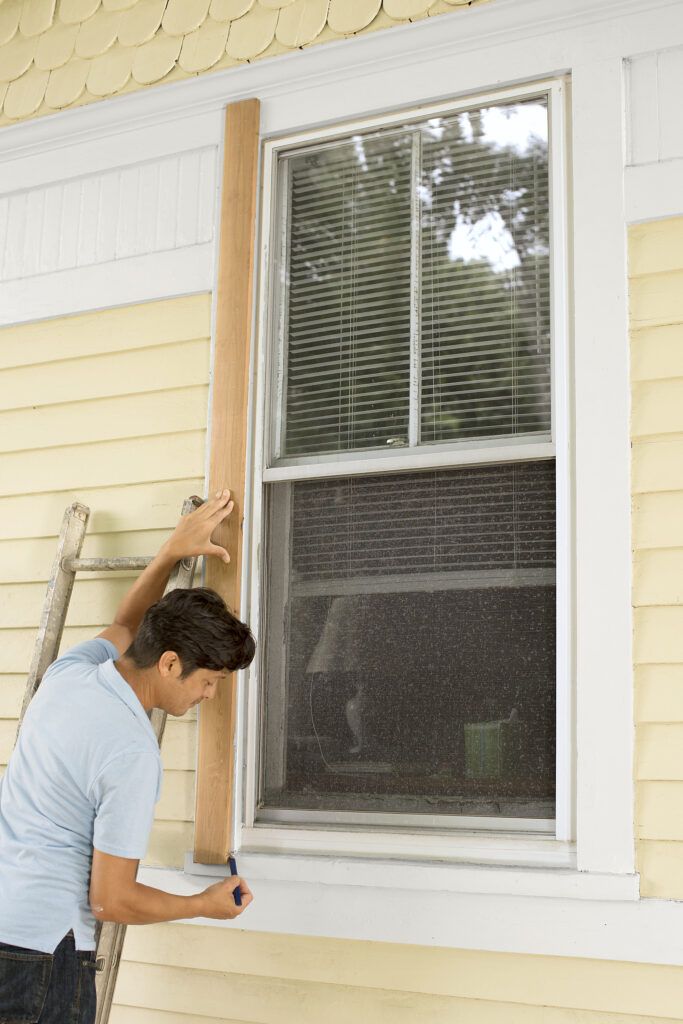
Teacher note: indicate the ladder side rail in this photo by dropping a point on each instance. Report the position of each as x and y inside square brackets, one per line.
[57, 599]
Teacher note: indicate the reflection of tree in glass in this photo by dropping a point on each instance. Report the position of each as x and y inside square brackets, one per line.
[349, 297]
[484, 285]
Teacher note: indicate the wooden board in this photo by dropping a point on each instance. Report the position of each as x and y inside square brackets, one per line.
[234, 302]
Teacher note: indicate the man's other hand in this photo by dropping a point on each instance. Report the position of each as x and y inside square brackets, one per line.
[218, 901]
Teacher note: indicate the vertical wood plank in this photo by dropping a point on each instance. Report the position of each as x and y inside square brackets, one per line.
[215, 763]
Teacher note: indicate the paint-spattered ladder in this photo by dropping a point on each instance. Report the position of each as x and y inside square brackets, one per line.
[66, 564]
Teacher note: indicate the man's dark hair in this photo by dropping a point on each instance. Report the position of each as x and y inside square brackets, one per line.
[198, 626]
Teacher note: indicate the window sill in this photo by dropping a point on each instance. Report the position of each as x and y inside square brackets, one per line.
[529, 911]
[396, 878]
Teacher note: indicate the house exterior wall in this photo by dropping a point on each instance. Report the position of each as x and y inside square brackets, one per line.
[656, 270]
[110, 407]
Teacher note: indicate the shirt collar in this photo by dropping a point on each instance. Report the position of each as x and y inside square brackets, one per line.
[118, 685]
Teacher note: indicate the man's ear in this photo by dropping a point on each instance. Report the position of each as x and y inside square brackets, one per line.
[169, 665]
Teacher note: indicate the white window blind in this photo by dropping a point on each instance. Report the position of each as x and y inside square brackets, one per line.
[417, 264]
[490, 521]
[348, 314]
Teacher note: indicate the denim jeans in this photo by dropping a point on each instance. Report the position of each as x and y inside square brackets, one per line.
[47, 988]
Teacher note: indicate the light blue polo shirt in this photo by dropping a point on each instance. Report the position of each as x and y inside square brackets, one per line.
[86, 772]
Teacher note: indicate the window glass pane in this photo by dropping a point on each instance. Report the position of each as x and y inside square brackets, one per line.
[348, 296]
[411, 644]
[485, 274]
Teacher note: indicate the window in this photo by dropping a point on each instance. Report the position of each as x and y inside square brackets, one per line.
[408, 673]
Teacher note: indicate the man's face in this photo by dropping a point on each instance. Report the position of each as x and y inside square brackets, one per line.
[183, 694]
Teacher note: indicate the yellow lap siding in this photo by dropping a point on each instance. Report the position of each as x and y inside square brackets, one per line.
[113, 510]
[659, 808]
[659, 693]
[139, 1015]
[657, 299]
[177, 796]
[658, 520]
[299, 1000]
[26, 561]
[658, 465]
[108, 408]
[11, 695]
[465, 1012]
[657, 407]
[658, 577]
[133, 460]
[168, 843]
[661, 868]
[563, 982]
[657, 353]
[658, 751]
[93, 601]
[656, 293]
[658, 635]
[176, 410]
[114, 330]
[116, 373]
[178, 750]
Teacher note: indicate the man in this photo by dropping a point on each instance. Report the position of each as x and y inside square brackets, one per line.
[77, 800]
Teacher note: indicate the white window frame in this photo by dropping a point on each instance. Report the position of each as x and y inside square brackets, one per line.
[549, 842]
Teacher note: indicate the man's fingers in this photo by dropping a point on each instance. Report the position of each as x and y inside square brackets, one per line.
[212, 504]
[220, 497]
[219, 552]
[222, 512]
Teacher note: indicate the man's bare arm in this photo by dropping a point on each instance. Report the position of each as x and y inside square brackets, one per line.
[192, 536]
[116, 896]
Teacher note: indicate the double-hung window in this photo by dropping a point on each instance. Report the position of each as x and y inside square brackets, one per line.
[407, 572]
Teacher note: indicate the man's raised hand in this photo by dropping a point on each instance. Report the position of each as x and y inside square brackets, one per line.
[192, 535]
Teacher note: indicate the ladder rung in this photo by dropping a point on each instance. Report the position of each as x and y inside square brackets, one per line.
[105, 564]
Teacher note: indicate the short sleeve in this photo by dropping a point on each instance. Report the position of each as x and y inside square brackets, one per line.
[91, 652]
[124, 794]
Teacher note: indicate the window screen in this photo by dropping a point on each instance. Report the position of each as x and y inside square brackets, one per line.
[411, 655]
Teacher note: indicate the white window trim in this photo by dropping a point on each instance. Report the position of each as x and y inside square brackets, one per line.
[487, 841]
[601, 818]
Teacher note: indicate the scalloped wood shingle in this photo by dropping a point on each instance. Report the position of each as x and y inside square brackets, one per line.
[110, 71]
[10, 15]
[96, 35]
[36, 17]
[59, 54]
[184, 16]
[56, 46]
[204, 47]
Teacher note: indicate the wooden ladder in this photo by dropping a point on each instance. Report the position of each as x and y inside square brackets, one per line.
[60, 586]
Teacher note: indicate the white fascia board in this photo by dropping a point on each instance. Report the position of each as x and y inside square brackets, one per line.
[637, 931]
[511, 40]
[160, 275]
